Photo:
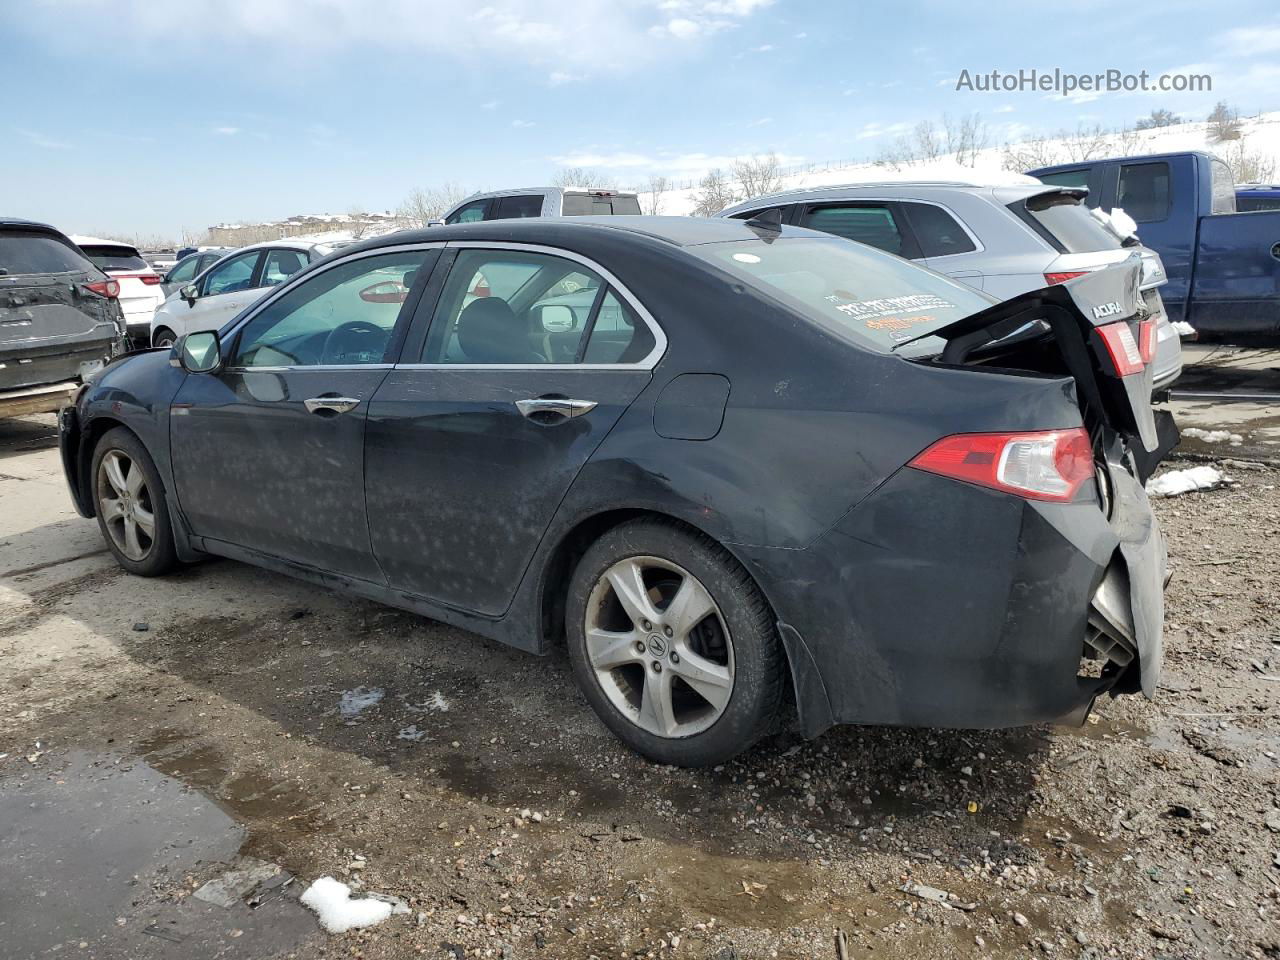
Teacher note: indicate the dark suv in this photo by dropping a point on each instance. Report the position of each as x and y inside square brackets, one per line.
[60, 319]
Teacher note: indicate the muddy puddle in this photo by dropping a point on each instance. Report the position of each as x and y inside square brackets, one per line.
[98, 854]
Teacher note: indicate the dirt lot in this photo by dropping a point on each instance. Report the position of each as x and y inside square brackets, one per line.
[154, 731]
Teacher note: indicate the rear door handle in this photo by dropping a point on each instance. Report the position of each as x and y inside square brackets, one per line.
[330, 405]
[544, 408]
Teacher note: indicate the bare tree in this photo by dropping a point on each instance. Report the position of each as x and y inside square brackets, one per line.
[896, 156]
[1031, 154]
[1158, 118]
[583, 177]
[1087, 143]
[1224, 123]
[927, 144]
[653, 195]
[758, 175]
[1249, 166]
[964, 138]
[1128, 141]
[431, 203]
[713, 195]
[359, 221]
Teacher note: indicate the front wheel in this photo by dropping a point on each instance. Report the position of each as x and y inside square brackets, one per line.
[129, 499]
[673, 644]
[164, 338]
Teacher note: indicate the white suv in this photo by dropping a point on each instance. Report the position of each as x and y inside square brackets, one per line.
[543, 202]
[140, 286]
[230, 285]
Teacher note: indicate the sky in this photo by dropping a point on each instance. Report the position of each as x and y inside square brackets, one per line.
[149, 118]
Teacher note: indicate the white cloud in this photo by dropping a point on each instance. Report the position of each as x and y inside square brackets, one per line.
[522, 124]
[1006, 108]
[603, 161]
[558, 78]
[763, 48]
[226, 131]
[40, 140]
[761, 122]
[491, 105]
[615, 35]
[801, 35]
[1250, 41]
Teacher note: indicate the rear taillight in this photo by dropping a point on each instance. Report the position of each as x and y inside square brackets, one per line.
[1045, 465]
[1126, 355]
[103, 288]
[1147, 340]
[1055, 278]
[150, 279]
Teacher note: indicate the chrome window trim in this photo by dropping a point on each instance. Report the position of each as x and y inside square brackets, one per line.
[647, 362]
[303, 275]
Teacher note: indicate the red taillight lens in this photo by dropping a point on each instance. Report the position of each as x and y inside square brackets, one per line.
[103, 288]
[1125, 352]
[1147, 340]
[150, 279]
[1045, 465]
[1053, 278]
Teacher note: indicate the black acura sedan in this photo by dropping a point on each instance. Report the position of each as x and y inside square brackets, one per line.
[741, 469]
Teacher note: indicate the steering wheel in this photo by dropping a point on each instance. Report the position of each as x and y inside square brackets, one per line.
[353, 342]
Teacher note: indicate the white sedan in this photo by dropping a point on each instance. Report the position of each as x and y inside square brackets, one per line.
[230, 285]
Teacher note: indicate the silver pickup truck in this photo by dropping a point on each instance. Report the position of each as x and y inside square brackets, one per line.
[60, 318]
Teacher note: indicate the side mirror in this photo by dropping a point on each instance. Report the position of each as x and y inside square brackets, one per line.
[557, 318]
[200, 352]
[190, 293]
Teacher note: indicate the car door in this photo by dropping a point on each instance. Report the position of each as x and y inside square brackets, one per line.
[877, 223]
[268, 452]
[223, 292]
[477, 434]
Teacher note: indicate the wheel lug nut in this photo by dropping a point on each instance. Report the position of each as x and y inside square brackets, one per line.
[639, 647]
[667, 631]
[657, 667]
[675, 657]
[646, 624]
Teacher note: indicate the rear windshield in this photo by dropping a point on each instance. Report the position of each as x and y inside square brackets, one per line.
[1066, 223]
[116, 258]
[585, 205]
[872, 298]
[30, 251]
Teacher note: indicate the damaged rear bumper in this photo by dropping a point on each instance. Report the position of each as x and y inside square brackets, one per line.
[942, 604]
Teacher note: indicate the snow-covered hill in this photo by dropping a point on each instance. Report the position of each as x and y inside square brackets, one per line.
[1260, 138]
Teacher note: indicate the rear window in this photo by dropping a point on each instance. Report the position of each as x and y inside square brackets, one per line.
[586, 205]
[861, 294]
[1250, 204]
[116, 258]
[30, 251]
[937, 232]
[519, 206]
[869, 223]
[1066, 178]
[1065, 223]
[1144, 191]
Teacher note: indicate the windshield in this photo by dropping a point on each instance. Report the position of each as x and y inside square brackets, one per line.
[875, 299]
[1063, 220]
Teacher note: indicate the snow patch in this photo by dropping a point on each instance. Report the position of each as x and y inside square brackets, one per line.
[1213, 436]
[411, 732]
[356, 701]
[1176, 482]
[1185, 329]
[436, 703]
[338, 912]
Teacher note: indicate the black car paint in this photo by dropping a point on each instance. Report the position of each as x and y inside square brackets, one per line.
[902, 597]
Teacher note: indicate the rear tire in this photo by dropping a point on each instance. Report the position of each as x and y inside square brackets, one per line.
[129, 499]
[164, 338]
[673, 644]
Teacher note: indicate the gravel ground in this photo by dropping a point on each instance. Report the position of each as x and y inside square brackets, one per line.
[226, 710]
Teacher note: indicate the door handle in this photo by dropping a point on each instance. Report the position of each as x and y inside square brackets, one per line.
[330, 405]
[559, 408]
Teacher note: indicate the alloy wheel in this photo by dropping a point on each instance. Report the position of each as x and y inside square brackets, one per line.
[659, 646]
[125, 505]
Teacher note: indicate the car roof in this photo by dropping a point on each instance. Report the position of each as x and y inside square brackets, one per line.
[889, 190]
[17, 223]
[83, 241]
[578, 231]
[285, 243]
[1129, 159]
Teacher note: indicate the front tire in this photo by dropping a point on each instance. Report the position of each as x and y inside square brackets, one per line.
[164, 338]
[129, 500]
[673, 644]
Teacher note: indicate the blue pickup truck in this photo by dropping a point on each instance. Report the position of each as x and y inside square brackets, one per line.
[1223, 265]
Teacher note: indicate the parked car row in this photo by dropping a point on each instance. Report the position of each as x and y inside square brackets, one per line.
[735, 464]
